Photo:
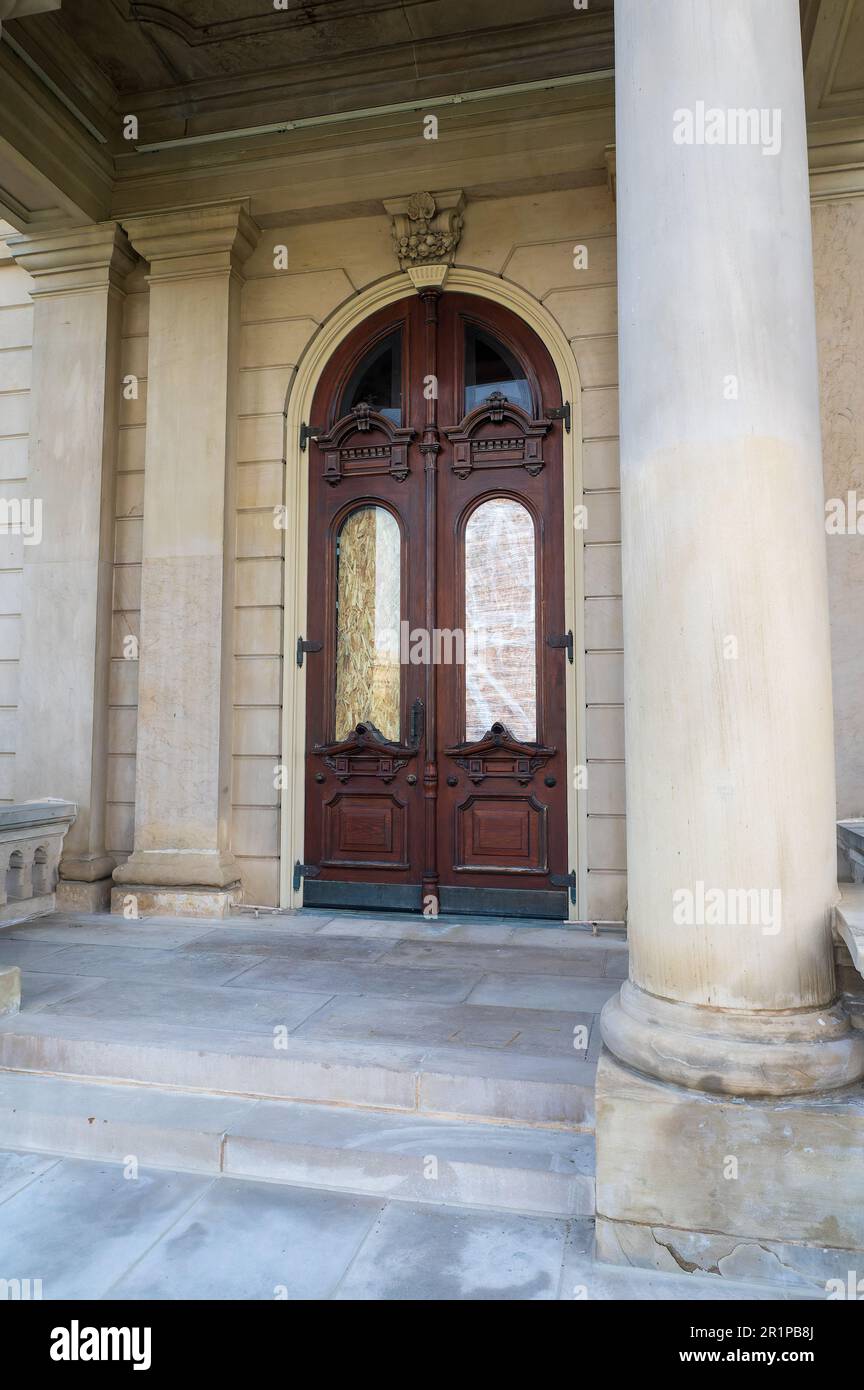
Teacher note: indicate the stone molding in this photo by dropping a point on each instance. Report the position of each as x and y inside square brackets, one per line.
[74, 261]
[214, 239]
[733, 1052]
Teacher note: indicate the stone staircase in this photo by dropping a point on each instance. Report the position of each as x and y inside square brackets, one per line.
[414, 1061]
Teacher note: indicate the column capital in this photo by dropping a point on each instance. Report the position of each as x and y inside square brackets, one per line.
[74, 260]
[213, 239]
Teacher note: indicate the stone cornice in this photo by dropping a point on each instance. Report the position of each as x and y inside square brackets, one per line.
[836, 160]
[212, 239]
[74, 261]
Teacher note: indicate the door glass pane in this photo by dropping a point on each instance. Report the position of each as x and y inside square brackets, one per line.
[377, 381]
[500, 620]
[490, 366]
[367, 622]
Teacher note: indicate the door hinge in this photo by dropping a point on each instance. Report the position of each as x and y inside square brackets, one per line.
[565, 641]
[303, 646]
[302, 871]
[308, 432]
[567, 881]
[561, 412]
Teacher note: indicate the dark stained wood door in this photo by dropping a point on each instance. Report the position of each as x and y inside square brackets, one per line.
[436, 765]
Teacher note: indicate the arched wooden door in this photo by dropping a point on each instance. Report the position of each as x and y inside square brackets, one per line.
[436, 766]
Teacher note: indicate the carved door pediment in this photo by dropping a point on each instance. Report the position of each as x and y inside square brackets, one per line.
[498, 434]
[500, 754]
[366, 753]
[365, 444]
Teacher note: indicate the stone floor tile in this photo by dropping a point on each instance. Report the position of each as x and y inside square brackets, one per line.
[80, 1225]
[28, 955]
[543, 992]
[585, 963]
[268, 942]
[17, 1170]
[251, 1240]
[40, 990]
[337, 977]
[427, 1255]
[540, 1032]
[251, 1010]
[154, 966]
[107, 931]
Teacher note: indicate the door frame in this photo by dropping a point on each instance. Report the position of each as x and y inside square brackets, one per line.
[296, 503]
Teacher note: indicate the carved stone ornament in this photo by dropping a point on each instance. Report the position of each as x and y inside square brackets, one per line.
[426, 228]
[365, 753]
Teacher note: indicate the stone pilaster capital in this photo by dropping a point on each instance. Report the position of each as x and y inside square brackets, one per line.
[213, 239]
[74, 260]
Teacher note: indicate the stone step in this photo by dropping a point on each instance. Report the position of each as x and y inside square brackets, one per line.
[479, 1083]
[404, 1157]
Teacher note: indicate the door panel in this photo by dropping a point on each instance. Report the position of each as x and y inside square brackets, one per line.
[436, 759]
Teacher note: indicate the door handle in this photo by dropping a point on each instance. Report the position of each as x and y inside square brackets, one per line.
[417, 723]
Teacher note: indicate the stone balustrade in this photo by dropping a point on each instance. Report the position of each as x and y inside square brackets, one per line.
[850, 842]
[31, 841]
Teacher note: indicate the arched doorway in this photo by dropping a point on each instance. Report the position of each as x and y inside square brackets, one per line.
[436, 760]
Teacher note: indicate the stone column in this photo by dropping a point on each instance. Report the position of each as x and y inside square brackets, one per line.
[730, 760]
[77, 293]
[181, 860]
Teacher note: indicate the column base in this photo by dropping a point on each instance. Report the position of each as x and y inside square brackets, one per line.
[733, 1052]
[141, 900]
[76, 896]
[742, 1188]
[89, 868]
[157, 868]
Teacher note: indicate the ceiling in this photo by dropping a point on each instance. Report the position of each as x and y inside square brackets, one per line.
[194, 66]
[202, 77]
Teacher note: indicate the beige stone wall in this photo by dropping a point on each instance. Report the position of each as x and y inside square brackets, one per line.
[128, 522]
[16, 338]
[838, 246]
[529, 241]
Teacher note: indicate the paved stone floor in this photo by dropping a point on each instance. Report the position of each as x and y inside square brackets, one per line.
[91, 1231]
[397, 979]
[474, 1020]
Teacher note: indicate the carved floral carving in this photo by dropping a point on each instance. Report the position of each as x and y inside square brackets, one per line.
[426, 228]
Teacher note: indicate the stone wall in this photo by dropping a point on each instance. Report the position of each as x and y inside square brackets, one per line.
[16, 337]
[128, 522]
[838, 245]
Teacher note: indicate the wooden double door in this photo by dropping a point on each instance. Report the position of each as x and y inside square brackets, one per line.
[436, 656]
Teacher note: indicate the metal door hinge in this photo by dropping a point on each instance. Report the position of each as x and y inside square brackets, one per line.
[302, 871]
[308, 432]
[561, 412]
[304, 646]
[565, 641]
[565, 881]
